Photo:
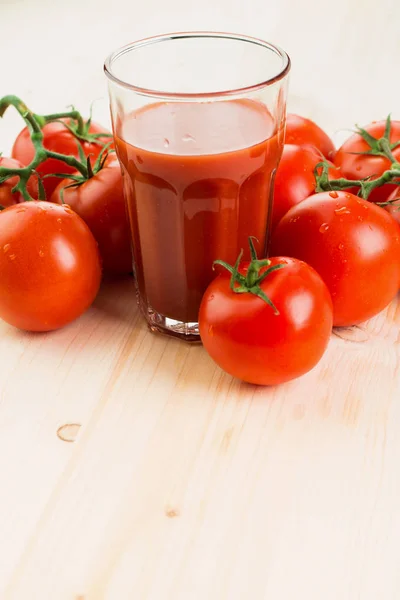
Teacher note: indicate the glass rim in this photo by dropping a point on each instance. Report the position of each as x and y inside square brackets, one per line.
[286, 63]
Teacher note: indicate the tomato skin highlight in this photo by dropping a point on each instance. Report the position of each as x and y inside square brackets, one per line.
[50, 269]
[247, 340]
[353, 244]
[100, 203]
[295, 180]
[57, 138]
[303, 132]
[358, 166]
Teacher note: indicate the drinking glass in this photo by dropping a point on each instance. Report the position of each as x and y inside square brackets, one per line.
[198, 121]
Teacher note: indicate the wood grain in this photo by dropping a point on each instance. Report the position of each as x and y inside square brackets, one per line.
[185, 483]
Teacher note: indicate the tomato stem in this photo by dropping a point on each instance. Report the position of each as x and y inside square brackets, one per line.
[378, 147]
[324, 184]
[250, 283]
[34, 123]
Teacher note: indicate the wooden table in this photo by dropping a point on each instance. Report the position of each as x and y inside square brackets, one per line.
[133, 467]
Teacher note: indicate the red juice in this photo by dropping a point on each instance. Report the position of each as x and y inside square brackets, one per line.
[198, 181]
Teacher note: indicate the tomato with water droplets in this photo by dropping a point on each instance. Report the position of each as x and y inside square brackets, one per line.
[353, 244]
[295, 179]
[355, 164]
[50, 268]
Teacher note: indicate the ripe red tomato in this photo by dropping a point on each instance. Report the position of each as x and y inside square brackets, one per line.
[100, 203]
[359, 166]
[7, 198]
[247, 339]
[353, 244]
[58, 139]
[295, 179]
[394, 208]
[302, 131]
[49, 266]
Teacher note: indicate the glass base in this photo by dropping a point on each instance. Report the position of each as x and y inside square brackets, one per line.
[188, 332]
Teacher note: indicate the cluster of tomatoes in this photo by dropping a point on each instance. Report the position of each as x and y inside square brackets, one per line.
[335, 242]
[336, 256]
[53, 253]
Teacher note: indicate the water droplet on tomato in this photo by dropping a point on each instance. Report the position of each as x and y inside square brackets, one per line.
[324, 227]
[334, 194]
[68, 210]
[41, 253]
[6, 248]
[21, 210]
[188, 138]
[341, 246]
[166, 143]
[12, 256]
[139, 159]
[211, 330]
[211, 297]
[59, 221]
[342, 211]
[359, 218]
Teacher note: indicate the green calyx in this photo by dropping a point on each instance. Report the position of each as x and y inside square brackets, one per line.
[251, 282]
[90, 170]
[78, 127]
[378, 147]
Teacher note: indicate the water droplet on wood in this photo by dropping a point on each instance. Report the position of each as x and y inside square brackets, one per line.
[354, 334]
[68, 432]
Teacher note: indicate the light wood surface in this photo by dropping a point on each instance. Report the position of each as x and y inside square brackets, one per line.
[133, 468]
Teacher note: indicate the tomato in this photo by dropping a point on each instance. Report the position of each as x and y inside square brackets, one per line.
[394, 207]
[58, 139]
[49, 266]
[359, 166]
[302, 131]
[353, 244]
[7, 198]
[295, 179]
[100, 203]
[245, 337]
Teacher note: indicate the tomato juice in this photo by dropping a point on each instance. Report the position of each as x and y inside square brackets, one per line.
[198, 179]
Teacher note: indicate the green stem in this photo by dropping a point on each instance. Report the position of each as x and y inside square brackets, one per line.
[73, 114]
[386, 149]
[324, 184]
[70, 160]
[35, 123]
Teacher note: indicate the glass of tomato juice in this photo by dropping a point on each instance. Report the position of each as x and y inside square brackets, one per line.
[198, 122]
